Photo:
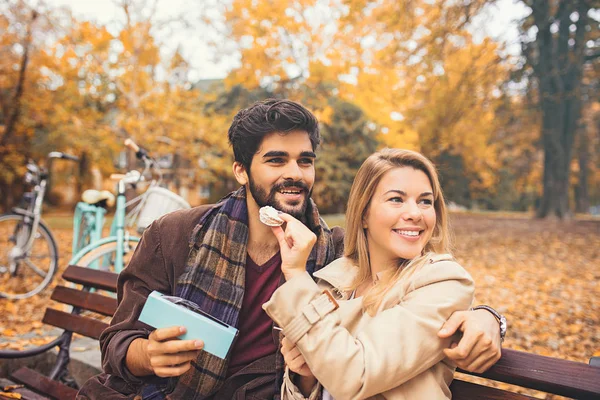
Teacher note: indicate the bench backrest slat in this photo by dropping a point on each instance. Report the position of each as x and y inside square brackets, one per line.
[462, 390]
[563, 377]
[85, 326]
[43, 384]
[104, 280]
[86, 300]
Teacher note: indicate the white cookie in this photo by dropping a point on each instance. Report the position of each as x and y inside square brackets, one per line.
[269, 216]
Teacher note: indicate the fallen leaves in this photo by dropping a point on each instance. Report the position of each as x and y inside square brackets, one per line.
[544, 276]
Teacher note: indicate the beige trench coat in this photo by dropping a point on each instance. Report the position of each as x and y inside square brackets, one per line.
[395, 354]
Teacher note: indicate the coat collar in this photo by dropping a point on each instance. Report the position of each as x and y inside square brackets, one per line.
[340, 273]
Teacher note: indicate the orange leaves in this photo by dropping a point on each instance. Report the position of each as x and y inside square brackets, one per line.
[541, 275]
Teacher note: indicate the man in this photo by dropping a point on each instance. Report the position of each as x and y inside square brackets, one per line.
[225, 260]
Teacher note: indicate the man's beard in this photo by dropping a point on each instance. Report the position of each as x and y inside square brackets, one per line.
[263, 198]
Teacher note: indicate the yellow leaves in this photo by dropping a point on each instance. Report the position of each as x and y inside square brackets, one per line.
[10, 395]
[9, 332]
[542, 283]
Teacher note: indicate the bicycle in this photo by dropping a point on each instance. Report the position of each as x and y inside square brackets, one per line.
[109, 253]
[28, 250]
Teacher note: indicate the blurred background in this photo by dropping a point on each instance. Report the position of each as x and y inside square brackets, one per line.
[502, 95]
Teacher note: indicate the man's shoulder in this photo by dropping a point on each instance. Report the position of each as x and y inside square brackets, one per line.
[181, 221]
[337, 234]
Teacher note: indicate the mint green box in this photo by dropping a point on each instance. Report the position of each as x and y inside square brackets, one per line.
[162, 311]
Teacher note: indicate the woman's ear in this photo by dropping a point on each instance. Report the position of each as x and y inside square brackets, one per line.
[240, 173]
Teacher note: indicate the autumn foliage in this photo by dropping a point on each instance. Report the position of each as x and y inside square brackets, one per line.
[417, 73]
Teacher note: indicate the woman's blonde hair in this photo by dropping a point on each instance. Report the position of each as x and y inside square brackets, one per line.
[355, 243]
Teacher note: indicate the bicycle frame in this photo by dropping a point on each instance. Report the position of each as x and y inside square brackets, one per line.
[32, 214]
[84, 210]
[120, 235]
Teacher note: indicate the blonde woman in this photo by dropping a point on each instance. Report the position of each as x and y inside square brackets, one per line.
[368, 328]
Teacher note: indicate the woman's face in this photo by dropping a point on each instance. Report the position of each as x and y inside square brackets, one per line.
[401, 217]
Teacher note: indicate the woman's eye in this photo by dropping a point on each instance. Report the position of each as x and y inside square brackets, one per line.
[427, 201]
[396, 200]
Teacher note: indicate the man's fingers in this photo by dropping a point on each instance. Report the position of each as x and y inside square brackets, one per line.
[174, 359]
[453, 324]
[174, 346]
[163, 334]
[481, 364]
[482, 358]
[176, 370]
[460, 352]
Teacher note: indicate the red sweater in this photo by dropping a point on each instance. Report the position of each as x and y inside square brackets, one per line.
[255, 339]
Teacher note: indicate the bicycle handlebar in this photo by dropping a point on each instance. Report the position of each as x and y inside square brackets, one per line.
[64, 156]
[142, 154]
[139, 152]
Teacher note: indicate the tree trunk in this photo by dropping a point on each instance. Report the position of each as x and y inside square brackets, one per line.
[559, 70]
[582, 193]
[83, 176]
[15, 110]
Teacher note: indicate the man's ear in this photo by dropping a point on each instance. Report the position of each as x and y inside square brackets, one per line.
[240, 173]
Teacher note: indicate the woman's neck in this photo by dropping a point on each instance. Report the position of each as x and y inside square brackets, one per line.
[379, 264]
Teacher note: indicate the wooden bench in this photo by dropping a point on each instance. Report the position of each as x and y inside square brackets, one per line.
[546, 374]
[38, 386]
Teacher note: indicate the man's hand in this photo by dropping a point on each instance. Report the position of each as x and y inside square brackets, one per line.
[480, 346]
[162, 354]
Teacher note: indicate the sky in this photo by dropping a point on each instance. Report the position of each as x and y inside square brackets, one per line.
[499, 23]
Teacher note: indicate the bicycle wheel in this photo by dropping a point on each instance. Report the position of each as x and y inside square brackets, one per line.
[103, 256]
[25, 273]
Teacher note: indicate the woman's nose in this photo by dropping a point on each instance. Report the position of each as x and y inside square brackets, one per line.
[412, 211]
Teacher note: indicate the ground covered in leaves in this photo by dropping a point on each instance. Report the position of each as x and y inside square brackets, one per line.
[543, 275]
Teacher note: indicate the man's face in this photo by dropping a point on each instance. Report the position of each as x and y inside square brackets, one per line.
[282, 173]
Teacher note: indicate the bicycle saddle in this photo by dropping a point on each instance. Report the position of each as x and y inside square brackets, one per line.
[102, 198]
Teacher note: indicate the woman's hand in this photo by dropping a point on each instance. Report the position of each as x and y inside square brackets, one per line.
[294, 359]
[296, 363]
[296, 243]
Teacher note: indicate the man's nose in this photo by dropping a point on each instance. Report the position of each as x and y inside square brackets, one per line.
[292, 171]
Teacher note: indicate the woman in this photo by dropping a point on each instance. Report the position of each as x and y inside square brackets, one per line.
[368, 327]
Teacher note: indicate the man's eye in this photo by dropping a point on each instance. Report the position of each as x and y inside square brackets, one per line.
[306, 161]
[277, 160]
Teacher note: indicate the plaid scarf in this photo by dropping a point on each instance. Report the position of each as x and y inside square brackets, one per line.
[215, 279]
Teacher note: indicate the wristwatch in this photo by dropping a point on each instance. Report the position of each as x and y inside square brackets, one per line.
[501, 319]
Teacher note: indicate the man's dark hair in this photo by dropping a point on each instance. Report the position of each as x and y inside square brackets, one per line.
[252, 124]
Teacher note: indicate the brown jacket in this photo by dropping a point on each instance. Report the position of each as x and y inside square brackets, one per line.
[157, 263]
[395, 354]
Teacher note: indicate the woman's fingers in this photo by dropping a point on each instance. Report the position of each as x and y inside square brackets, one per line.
[293, 358]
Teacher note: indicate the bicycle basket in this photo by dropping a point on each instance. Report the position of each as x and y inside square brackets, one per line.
[158, 201]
